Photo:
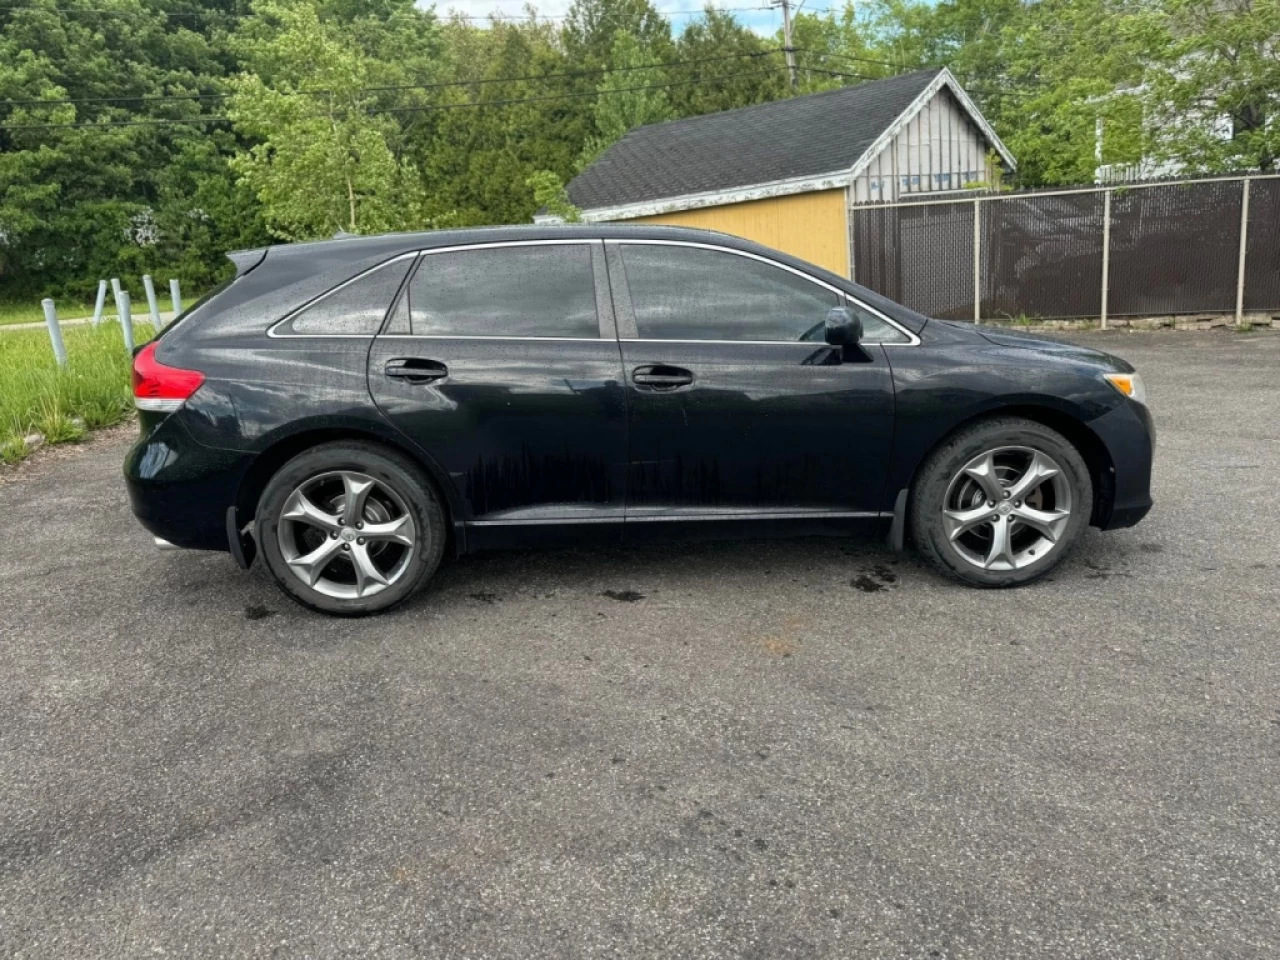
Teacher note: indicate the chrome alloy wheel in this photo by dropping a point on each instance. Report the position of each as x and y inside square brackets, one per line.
[346, 534]
[1007, 508]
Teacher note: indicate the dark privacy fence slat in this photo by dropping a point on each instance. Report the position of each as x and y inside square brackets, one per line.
[919, 255]
[1174, 249]
[1042, 256]
[1262, 252]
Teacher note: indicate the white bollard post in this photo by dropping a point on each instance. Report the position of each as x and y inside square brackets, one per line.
[126, 320]
[116, 292]
[152, 306]
[102, 299]
[175, 294]
[55, 332]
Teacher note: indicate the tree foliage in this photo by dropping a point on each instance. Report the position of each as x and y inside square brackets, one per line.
[137, 140]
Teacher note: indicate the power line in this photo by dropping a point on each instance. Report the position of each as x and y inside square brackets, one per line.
[182, 97]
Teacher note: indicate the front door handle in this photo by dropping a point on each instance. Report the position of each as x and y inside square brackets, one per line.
[661, 377]
[415, 370]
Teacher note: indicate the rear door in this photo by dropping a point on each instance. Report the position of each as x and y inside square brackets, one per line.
[501, 362]
[738, 408]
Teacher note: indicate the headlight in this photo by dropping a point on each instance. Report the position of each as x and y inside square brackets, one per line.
[1130, 384]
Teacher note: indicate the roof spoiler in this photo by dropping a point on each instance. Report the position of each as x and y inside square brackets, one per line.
[246, 260]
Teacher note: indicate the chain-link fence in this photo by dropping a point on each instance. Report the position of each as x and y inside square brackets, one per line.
[1206, 246]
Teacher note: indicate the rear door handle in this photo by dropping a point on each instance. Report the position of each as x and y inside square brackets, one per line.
[661, 377]
[415, 370]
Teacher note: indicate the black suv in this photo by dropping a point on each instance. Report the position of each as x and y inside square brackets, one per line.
[351, 409]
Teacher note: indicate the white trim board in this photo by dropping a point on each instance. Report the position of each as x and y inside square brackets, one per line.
[833, 180]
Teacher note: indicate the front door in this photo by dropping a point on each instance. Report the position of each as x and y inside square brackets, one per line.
[501, 362]
[738, 408]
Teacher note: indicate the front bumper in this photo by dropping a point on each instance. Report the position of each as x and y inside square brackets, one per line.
[1130, 438]
[180, 489]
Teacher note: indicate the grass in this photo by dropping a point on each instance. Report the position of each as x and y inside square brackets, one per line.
[93, 391]
[32, 312]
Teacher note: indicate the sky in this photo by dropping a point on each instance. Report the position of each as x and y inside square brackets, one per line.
[679, 12]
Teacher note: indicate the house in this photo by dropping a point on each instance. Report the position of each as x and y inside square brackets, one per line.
[785, 173]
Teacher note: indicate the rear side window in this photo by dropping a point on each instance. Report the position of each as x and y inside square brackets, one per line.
[542, 290]
[354, 309]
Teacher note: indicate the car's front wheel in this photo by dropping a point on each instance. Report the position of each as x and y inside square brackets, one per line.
[1001, 503]
[350, 528]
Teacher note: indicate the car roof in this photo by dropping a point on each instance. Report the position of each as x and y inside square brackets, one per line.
[359, 246]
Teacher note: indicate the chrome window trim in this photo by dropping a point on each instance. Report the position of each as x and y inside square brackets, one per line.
[297, 312]
[913, 340]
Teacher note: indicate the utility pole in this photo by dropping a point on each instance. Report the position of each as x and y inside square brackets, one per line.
[786, 39]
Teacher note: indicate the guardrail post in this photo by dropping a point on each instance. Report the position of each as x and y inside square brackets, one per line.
[152, 306]
[55, 332]
[126, 320]
[102, 299]
[977, 261]
[175, 294]
[1106, 254]
[1244, 249]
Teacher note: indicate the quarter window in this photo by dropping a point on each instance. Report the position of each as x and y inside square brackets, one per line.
[356, 309]
[543, 290]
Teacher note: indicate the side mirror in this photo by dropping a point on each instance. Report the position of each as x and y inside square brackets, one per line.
[844, 327]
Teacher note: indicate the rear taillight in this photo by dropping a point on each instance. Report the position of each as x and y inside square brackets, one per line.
[160, 388]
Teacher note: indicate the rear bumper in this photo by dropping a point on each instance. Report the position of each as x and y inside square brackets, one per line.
[1130, 438]
[180, 489]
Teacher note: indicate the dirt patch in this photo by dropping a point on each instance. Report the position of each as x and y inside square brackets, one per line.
[40, 460]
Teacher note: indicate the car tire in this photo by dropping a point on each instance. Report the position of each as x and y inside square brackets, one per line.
[987, 507]
[354, 574]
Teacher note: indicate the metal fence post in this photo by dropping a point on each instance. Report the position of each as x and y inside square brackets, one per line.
[117, 292]
[175, 294]
[1244, 249]
[977, 261]
[126, 320]
[1106, 253]
[102, 299]
[152, 306]
[55, 332]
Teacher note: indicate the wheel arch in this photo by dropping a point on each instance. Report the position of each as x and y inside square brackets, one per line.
[1075, 430]
[283, 449]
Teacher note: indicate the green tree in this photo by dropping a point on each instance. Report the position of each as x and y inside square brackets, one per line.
[326, 156]
[1211, 94]
[622, 101]
[736, 68]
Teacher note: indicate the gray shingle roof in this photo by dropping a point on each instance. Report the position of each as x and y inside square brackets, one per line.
[803, 136]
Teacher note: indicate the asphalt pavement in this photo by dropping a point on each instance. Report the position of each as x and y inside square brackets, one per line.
[770, 750]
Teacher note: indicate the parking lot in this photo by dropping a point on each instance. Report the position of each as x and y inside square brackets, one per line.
[804, 749]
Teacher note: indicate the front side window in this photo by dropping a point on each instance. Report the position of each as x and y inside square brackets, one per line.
[539, 290]
[690, 293]
[356, 309]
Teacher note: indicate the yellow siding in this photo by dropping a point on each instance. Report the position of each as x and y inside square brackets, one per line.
[806, 225]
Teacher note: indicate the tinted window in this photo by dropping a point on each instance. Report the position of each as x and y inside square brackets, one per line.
[523, 291]
[354, 309]
[687, 293]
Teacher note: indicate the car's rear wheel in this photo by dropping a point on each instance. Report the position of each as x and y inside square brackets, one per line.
[1001, 503]
[350, 528]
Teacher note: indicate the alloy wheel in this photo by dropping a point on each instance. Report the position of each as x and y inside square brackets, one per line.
[346, 535]
[1007, 508]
